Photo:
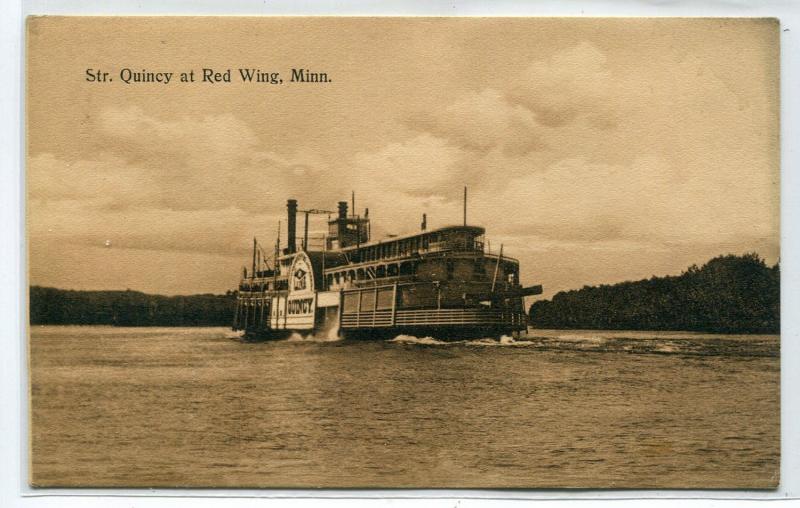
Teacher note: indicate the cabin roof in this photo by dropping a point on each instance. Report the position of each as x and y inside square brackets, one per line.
[478, 230]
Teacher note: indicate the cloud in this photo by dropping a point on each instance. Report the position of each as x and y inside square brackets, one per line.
[646, 202]
[561, 145]
[573, 83]
[145, 162]
[482, 121]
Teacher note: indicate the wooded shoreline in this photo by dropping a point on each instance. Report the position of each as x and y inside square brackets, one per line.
[51, 306]
[729, 294]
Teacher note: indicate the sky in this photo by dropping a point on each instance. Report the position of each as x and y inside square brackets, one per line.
[594, 150]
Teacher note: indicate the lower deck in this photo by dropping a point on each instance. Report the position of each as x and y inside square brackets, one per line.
[391, 307]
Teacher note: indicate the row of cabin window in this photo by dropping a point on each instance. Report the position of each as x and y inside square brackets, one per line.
[381, 271]
[415, 244]
[381, 299]
[408, 297]
[393, 249]
[409, 268]
[279, 285]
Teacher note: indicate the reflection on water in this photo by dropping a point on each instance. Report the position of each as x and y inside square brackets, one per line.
[191, 407]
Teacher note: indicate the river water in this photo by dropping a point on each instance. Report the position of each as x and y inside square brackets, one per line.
[191, 407]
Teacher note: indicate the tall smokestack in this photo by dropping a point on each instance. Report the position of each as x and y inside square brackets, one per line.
[291, 223]
[342, 209]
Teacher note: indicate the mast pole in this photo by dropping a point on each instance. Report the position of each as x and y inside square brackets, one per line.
[253, 273]
[465, 205]
[358, 233]
[497, 267]
[305, 233]
[277, 254]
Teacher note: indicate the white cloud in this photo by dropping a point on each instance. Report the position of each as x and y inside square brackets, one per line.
[573, 82]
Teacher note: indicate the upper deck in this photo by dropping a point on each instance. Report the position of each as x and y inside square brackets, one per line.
[449, 238]
[348, 257]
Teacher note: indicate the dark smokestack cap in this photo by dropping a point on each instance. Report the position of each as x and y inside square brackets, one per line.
[342, 209]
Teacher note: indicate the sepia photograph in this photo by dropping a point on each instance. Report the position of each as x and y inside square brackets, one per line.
[403, 252]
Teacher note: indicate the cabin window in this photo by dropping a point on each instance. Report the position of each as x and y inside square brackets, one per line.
[416, 296]
[511, 274]
[406, 269]
[360, 274]
[367, 301]
[380, 272]
[350, 303]
[385, 298]
[480, 267]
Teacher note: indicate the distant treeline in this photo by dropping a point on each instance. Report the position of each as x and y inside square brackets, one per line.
[50, 306]
[729, 294]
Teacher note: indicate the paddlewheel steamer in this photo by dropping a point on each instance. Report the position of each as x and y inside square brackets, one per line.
[440, 282]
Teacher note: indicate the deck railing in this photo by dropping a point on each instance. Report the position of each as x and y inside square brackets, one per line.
[433, 317]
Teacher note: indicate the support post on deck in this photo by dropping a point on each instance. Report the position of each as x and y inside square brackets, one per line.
[394, 304]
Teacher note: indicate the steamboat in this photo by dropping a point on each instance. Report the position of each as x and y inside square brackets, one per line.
[440, 282]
